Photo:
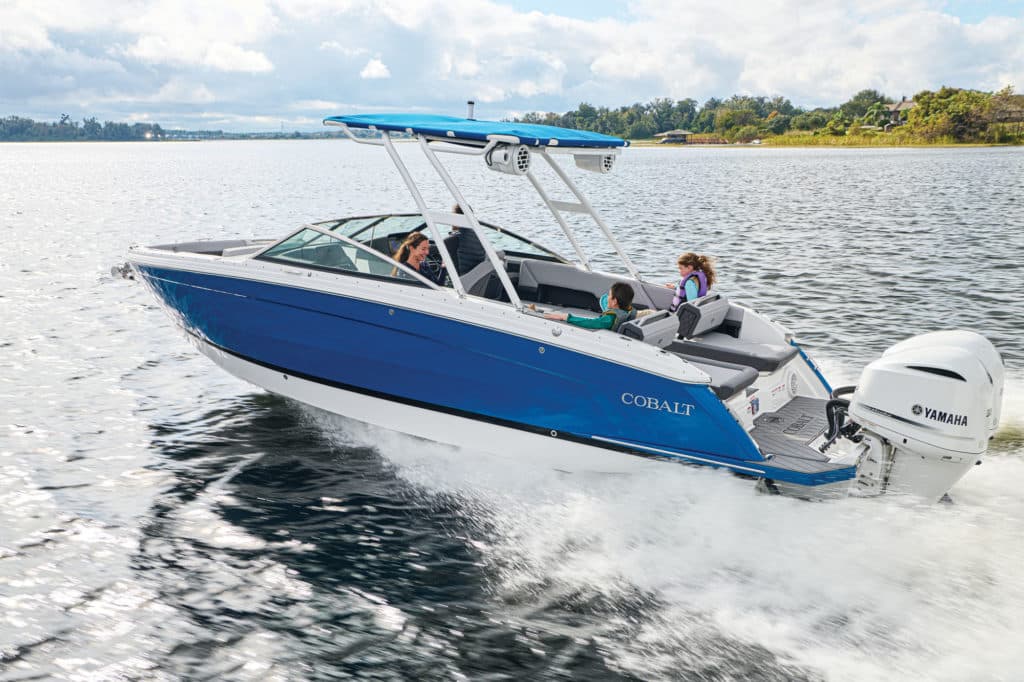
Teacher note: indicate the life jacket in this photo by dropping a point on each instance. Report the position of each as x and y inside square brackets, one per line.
[620, 316]
[702, 288]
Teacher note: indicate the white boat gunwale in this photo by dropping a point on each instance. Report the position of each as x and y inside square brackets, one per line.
[473, 310]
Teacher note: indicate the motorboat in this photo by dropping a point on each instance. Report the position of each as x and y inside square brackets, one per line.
[326, 316]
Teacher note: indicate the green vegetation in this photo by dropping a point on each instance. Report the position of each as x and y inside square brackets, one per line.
[946, 116]
[17, 129]
[869, 118]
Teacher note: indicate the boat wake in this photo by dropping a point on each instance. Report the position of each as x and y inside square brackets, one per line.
[677, 568]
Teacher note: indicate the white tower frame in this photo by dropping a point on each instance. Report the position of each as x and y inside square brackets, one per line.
[429, 145]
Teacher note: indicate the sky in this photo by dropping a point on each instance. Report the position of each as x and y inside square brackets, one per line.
[265, 65]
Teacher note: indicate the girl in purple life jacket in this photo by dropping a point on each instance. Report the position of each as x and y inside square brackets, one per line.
[697, 275]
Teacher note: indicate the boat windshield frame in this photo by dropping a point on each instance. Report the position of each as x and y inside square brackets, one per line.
[545, 252]
[430, 143]
[415, 276]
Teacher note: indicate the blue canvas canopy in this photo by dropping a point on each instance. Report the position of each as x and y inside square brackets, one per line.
[455, 128]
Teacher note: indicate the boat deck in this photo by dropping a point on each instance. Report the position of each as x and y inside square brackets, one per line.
[785, 435]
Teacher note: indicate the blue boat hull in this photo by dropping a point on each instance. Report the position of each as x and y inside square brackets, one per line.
[458, 368]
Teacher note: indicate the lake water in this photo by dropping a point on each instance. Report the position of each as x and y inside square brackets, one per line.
[160, 519]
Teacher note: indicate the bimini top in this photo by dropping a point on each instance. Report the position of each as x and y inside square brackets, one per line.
[455, 128]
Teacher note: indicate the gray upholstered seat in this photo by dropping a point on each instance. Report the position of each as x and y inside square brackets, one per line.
[332, 256]
[727, 379]
[764, 357]
[704, 333]
[658, 329]
[702, 315]
[478, 280]
[563, 284]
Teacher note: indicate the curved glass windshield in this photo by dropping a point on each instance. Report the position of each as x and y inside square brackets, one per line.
[508, 242]
[399, 223]
[315, 249]
[353, 226]
[385, 233]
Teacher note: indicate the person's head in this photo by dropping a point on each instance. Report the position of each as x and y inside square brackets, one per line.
[620, 296]
[690, 261]
[457, 210]
[414, 247]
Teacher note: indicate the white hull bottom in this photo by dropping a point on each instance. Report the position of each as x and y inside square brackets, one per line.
[827, 491]
[524, 446]
[433, 425]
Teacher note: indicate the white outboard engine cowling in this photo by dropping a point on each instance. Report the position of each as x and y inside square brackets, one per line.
[974, 343]
[926, 409]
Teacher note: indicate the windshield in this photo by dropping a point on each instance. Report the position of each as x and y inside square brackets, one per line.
[385, 233]
[314, 249]
[349, 227]
[512, 243]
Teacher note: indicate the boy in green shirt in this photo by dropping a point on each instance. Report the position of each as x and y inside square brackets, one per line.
[618, 309]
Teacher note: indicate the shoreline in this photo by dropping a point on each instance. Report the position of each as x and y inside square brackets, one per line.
[830, 145]
[645, 144]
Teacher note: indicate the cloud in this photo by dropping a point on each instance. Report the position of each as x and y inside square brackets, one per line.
[25, 25]
[216, 55]
[345, 50]
[17, 36]
[179, 90]
[315, 105]
[194, 23]
[814, 54]
[185, 32]
[272, 58]
[228, 57]
[375, 68]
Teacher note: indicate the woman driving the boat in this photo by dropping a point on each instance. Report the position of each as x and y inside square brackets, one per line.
[697, 275]
[413, 252]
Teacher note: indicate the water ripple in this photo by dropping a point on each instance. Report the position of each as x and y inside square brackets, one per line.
[162, 520]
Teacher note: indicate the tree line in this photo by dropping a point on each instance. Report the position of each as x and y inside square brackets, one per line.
[945, 115]
[948, 114]
[18, 129]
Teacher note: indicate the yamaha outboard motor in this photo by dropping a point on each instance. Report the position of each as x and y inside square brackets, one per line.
[923, 413]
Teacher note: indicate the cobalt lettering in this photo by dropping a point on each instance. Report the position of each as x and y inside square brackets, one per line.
[653, 403]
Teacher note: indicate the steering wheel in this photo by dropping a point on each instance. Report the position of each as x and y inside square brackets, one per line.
[434, 259]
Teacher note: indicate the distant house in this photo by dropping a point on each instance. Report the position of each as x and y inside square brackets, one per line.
[674, 137]
[1008, 109]
[896, 109]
